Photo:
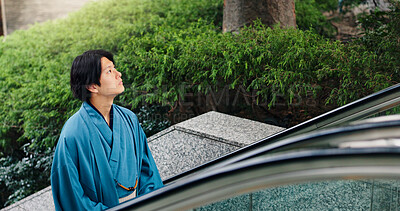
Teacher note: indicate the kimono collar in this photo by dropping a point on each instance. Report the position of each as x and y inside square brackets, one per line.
[100, 123]
[111, 114]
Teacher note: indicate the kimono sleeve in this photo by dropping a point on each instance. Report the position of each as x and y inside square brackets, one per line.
[150, 179]
[68, 193]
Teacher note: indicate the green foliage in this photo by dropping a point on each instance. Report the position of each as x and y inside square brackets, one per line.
[288, 62]
[382, 36]
[20, 178]
[152, 119]
[309, 16]
[327, 5]
[35, 63]
[352, 3]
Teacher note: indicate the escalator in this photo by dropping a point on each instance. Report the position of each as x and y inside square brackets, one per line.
[345, 150]
[371, 105]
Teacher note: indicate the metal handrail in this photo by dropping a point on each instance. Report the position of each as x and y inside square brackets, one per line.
[369, 105]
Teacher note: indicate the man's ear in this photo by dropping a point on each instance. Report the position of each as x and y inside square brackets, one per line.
[92, 88]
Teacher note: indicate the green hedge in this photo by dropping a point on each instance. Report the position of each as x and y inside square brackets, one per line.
[161, 46]
[284, 61]
[309, 16]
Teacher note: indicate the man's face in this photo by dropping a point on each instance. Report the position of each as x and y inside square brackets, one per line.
[110, 79]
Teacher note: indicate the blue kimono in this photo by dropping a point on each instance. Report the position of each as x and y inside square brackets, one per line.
[91, 159]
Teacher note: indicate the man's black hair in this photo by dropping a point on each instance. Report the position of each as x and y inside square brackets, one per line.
[86, 70]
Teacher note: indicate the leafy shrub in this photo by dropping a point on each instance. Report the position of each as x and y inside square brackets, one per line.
[282, 61]
[309, 16]
[152, 118]
[22, 177]
[327, 5]
[36, 62]
[348, 4]
[382, 36]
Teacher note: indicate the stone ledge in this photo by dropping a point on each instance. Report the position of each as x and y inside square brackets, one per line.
[42, 200]
[224, 128]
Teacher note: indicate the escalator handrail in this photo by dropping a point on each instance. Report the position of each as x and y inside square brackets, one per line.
[365, 106]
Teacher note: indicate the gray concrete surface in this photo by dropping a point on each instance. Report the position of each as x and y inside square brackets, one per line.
[20, 14]
[40, 201]
[182, 147]
[204, 138]
[179, 151]
[241, 131]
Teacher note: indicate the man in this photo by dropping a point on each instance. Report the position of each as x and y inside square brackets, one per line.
[102, 157]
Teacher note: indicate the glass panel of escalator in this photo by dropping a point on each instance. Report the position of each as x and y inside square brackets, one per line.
[354, 194]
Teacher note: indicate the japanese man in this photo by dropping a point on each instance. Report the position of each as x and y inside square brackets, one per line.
[102, 157]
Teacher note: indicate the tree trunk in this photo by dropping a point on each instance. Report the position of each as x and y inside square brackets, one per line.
[1, 18]
[238, 13]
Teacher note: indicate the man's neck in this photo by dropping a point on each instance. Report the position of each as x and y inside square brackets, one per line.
[103, 106]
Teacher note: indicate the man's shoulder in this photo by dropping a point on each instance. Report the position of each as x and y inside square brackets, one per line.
[126, 112]
[75, 120]
[74, 127]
